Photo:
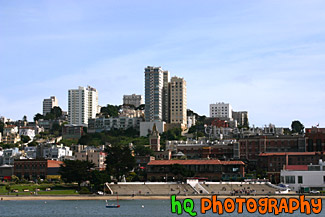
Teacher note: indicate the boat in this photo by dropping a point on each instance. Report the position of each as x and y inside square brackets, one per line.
[112, 205]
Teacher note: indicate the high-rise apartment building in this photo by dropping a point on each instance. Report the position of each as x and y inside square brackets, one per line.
[156, 94]
[133, 99]
[48, 104]
[83, 104]
[178, 101]
[221, 110]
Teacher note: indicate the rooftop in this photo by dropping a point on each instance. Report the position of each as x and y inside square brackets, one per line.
[289, 153]
[194, 162]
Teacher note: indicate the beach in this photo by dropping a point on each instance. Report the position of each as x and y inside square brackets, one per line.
[139, 197]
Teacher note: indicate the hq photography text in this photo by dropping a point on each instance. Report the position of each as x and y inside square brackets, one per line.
[261, 205]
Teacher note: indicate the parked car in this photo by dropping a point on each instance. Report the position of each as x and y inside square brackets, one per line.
[314, 192]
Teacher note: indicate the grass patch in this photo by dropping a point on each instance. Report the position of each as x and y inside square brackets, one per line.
[56, 189]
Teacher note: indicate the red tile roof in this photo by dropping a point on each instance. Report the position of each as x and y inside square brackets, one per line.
[194, 162]
[288, 153]
[297, 167]
[10, 126]
[53, 163]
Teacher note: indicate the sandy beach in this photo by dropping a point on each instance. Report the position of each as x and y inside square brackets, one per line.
[148, 197]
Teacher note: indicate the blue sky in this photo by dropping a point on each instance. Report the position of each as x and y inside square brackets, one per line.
[267, 57]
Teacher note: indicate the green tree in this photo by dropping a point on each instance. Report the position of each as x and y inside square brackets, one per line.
[38, 116]
[142, 150]
[33, 143]
[25, 139]
[8, 188]
[297, 127]
[98, 178]
[2, 125]
[111, 110]
[56, 111]
[25, 118]
[119, 161]
[76, 171]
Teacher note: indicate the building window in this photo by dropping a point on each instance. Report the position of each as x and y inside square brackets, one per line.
[324, 179]
[290, 180]
[300, 180]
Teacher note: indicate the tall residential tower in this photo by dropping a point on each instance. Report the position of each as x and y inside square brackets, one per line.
[48, 104]
[178, 101]
[156, 94]
[83, 104]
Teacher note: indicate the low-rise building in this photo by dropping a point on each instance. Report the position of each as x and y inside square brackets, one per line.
[95, 156]
[57, 152]
[250, 148]
[315, 139]
[9, 155]
[6, 172]
[72, 132]
[135, 100]
[27, 131]
[101, 124]
[214, 170]
[273, 163]
[32, 169]
[304, 178]
[10, 129]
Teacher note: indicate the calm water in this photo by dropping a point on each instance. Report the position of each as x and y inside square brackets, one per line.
[152, 208]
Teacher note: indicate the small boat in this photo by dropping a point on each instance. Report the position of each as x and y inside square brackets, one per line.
[112, 205]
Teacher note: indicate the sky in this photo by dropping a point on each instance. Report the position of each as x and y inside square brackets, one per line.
[265, 57]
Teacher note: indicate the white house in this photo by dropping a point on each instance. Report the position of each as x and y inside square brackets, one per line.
[27, 131]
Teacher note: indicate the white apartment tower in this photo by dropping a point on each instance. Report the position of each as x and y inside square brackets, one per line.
[133, 99]
[156, 94]
[83, 103]
[220, 110]
[48, 104]
[178, 101]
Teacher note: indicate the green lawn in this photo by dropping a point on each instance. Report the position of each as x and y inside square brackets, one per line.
[55, 189]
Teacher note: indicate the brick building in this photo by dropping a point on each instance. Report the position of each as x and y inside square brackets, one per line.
[250, 148]
[214, 170]
[32, 169]
[315, 139]
[273, 163]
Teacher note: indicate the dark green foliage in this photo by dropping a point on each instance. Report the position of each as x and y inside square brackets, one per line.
[25, 139]
[142, 150]
[33, 143]
[111, 110]
[76, 171]
[119, 161]
[25, 118]
[69, 142]
[198, 129]
[6, 146]
[38, 116]
[98, 178]
[172, 134]
[1, 127]
[117, 136]
[297, 127]
[56, 129]
[84, 190]
[56, 111]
